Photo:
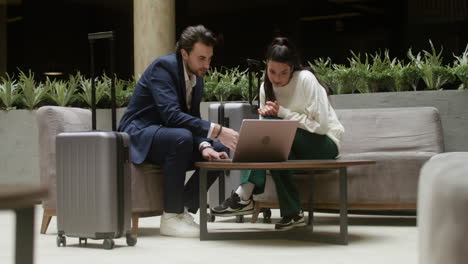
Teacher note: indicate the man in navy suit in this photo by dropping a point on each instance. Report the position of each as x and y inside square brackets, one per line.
[165, 127]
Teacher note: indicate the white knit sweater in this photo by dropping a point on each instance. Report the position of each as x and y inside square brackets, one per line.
[305, 100]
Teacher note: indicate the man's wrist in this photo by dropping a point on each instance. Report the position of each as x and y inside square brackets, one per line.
[220, 129]
[204, 145]
[210, 131]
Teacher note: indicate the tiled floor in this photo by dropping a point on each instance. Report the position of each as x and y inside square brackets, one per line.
[372, 240]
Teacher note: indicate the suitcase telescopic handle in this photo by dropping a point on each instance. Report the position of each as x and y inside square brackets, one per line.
[254, 66]
[92, 37]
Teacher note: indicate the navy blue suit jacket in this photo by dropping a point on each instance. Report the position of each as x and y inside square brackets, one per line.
[159, 100]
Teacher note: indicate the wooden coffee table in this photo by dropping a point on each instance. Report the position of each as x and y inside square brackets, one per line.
[295, 233]
[22, 198]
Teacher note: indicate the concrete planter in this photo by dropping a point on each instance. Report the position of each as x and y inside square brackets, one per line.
[18, 147]
[19, 144]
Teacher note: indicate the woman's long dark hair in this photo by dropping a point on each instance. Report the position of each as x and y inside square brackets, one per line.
[282, 50]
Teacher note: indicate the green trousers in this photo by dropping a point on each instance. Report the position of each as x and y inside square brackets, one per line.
[306, 145]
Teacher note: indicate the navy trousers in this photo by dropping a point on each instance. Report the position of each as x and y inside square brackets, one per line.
[175, 151]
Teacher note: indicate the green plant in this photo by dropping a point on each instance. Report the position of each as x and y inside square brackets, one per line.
[441, 76]
[323, 70]
[382, 73]
[407, 77]
[433, 73]
[229, 84]
[9, 92]
[358, 73]
[101, 89]
[244, 85]
[123, 92]
[32, 94]
[235, 90]
[226, 84]
[210, 80]
[321, 66]
[63, 93]
[460, 69]
[352, 79]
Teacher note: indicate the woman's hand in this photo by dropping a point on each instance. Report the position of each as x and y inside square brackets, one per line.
[270, 109]
[211, 154]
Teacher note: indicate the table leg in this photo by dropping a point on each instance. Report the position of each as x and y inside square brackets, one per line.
[203, 204]
[221, 188]
[311, 201]
[343, 205]
[24, 250]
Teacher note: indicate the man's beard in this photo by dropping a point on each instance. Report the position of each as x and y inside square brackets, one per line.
[196, 73]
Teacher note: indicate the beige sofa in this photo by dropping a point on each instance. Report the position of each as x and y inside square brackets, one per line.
[401, 140]
[442, 209]
[147, 193]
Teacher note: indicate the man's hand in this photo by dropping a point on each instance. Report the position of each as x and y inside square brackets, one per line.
[228, 138]
[211, 154]
[270, 109]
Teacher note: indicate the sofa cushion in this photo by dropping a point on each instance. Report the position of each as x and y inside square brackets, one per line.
[410, 129]
[371, 186]
[392, 180]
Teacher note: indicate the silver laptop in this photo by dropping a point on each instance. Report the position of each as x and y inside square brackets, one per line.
[267, 140]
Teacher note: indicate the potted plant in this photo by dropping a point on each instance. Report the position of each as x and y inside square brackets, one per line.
[9, 92]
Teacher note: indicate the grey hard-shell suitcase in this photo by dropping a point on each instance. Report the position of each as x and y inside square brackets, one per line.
[93, 181]
[231, 115]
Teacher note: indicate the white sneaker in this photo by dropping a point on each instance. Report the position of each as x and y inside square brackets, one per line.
[179, 225]
[188, 216]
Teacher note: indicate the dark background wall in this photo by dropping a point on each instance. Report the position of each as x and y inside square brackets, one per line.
[50, 35]
[319, 28]
[330, 28]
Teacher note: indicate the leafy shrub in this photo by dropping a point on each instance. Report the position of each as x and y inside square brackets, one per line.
[32, 94]
[9, 93]
[460, 68]
[101, 86]
[365, 73]
[433, 73]
[63, 93]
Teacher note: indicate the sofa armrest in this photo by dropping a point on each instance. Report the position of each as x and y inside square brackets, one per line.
[52, 120]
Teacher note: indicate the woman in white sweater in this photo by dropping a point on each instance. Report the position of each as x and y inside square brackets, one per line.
[289, 92]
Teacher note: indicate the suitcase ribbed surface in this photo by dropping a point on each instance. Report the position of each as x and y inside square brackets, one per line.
[87, 184]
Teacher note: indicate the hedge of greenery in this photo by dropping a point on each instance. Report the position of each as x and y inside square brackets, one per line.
[366, 73]
[25, 92]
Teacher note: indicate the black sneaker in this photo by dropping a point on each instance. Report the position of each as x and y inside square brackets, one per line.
[233, 205]
[288, 222]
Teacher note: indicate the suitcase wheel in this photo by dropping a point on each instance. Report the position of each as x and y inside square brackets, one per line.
[82, 241]
[108, 243]
[239, 219]
[267, 215]
[211, 218]
[131, 240]
[61, 241]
